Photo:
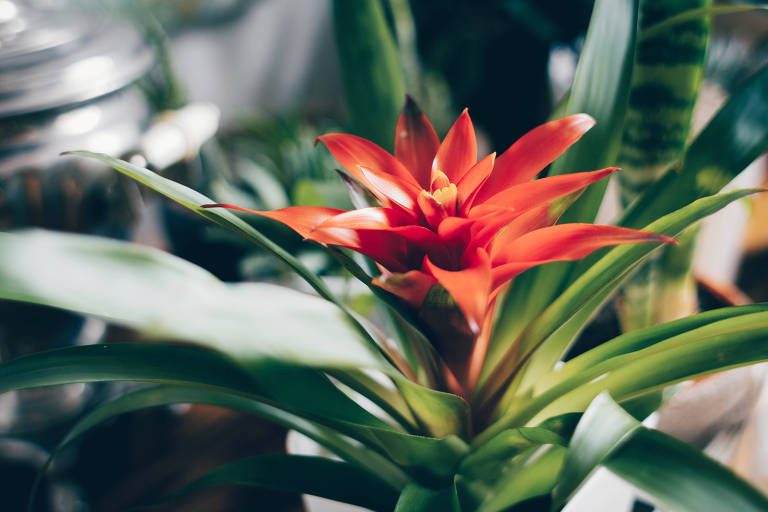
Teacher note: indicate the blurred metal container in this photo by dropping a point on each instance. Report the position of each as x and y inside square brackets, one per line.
[68, 80]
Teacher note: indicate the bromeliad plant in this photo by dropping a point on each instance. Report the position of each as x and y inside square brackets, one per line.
[467, 403]
[452, 231]
[450, 234]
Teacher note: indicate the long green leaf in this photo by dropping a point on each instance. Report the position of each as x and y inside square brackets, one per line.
[694, 14]
[425, 458]
[623, 350]
[719, 346]
[193, 200]
[166, 297]
[665, 84]
[601, 89]
[681, 478]
[370, 67]
[167, 364]
[639, 339]
[676, 475]
[604, 427]
[166, 395]
[600, 280]
[666, 80]
[330, 479]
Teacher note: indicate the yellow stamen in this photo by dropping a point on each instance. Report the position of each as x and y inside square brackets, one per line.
[439, 180]
[447, 196]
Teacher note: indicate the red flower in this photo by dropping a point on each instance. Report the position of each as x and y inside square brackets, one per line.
[447, 218]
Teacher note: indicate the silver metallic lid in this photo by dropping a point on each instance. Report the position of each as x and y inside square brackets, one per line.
[52, 56]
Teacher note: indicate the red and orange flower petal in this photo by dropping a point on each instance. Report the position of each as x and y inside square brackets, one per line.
[389, 191]
[386, 248]
[397, 248]
[469, 184]
[355, 154]
[369, 218]
[533, 219]
[412, 286]
[458, 151]
[416, 142]
[469, 287]
[559, 243]
[533, 152]
[302, 219]
[533, 193]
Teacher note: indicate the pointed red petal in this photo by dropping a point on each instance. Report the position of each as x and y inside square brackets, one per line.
[533, 152]
[369, 218]
[534, 193]
[458, 152]
[469, 287]
[533, 219]
[355, 153]
[384, 247]
[470, 183]
[416, 142]
[302, 219]
[387, 189]
[397, 248]
[412, 286]
[562, 242]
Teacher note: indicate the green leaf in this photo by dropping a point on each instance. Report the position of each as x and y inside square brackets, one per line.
[370, 68]
[166, 395]
[487, 460]
[166, 297]
[440, 414]
[524, 482]
[193, 200]
[425, 458]
[729, 143]
[172, 364]
[592, 287]
[681, 478]
[416, 498]
[694, 14]
[288, 384]
[330, 479]
[604, 427]
[637, 340]
[601, 89]
[721, 345]
[665, 84]
[167, 364]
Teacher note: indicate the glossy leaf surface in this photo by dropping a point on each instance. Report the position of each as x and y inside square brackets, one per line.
[166, 297]
[317, 476]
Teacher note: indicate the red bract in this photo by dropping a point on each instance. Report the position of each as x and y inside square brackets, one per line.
[446, 218]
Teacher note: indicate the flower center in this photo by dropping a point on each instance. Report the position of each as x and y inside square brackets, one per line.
[444, 192]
